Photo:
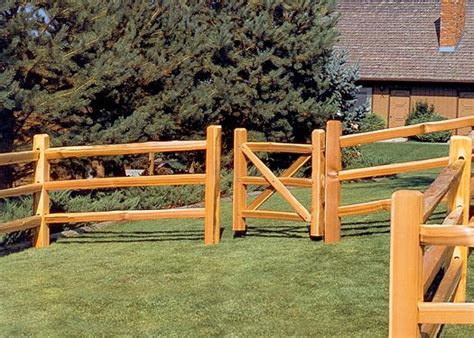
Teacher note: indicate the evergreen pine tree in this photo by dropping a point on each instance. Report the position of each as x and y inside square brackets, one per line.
[124, 71]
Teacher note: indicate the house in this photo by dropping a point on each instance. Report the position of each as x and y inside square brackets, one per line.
[409, 51]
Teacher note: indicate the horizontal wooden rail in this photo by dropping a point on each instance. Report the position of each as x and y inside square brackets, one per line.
[134, 215]
[20, 224]
[288, 181]
[264, 214]
[18, 157]
[391, 169]
[22, 190]
[124, 149]
[447, 235]
[364, 208]
[275, 147]
[120, 182]
[446, 313]
[416, 129]
[440, 187]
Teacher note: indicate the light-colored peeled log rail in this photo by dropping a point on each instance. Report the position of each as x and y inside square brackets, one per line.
[444, 293]
[266, 214]
[423, 128]
[446, 313]
[133, 215]
[288, 181]
[447, 235]
[275, 147]
[18, 157]
[124, 149]
[120, 182]
[392, 169]
[20, 224]
[267, 193]
[23, 190]
[364, 208]
[275, 182]
[440, 187]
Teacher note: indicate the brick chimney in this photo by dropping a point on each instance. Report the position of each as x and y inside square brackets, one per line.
[453, 17]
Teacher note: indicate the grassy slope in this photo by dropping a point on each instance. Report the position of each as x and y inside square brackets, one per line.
[158, 278]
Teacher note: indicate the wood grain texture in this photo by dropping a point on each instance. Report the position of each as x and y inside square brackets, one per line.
[332, 221]
[441, 185]
[41, 199]
[20, 224]
[212, 225]
[446, 313]
[316, 227]
[124, 149]
[267, 214]
[287, 181]
[22, 190]
[120, 182]
[406, 285]
[423, 128]
[274, 147]
[364, 208]
[239, 198]
[130, 215]
[447, 235]
[435, 258]
[18, 157]
[277, 184]
[391, 169]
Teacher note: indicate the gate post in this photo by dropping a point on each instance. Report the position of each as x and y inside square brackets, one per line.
[332, 221]
[239, 225]
[316, 228]
[212, 226]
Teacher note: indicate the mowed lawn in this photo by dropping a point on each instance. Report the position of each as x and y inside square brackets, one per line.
[157, 278]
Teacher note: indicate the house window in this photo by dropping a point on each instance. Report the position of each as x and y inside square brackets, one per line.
[364, 97]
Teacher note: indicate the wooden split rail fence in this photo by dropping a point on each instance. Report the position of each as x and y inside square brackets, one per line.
[42, 154]
[335, 174]
[245, 154]
[419, 303]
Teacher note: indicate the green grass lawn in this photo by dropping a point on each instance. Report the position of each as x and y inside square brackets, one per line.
[157, 278]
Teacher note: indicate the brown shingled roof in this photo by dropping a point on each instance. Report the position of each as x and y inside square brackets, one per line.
[398, 40]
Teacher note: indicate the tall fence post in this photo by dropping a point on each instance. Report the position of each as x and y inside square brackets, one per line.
[332, 221]
[316, 228]
[41, 199]
[239, 225]
[406, 258]
[212, 195]
[461, 148]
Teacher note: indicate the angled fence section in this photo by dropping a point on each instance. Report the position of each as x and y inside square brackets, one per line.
[335, 174]
[419, 302]
[245, 155]
[42, 154]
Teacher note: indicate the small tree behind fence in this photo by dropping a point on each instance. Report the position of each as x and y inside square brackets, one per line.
[42, 154]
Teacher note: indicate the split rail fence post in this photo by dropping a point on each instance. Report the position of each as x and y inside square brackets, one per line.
[239, 224]
[41, 199]
[461, 148]
[332, 221]
[316, 228]
[212, 195]
[406, 259]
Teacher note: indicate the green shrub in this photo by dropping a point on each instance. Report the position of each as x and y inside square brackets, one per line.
[371, 122]
[425, 113]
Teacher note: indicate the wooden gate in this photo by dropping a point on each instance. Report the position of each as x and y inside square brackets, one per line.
[245, 154]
